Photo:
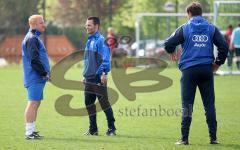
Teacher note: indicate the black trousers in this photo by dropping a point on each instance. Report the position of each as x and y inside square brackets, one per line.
[93, 90]
[200, 76]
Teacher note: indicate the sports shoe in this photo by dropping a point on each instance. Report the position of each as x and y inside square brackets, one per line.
[214, 142]
[111, 132]
[182, 142]
[34, 136]
[89, 132]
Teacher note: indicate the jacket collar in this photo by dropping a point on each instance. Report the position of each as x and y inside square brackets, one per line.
[197, 19]
[35, 32]
[94, 35]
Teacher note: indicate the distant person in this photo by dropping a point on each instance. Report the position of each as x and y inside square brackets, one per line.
[227, 37]
[96, 67]
[111, 39]
[236, 44]
[36, 71]
[197, 65]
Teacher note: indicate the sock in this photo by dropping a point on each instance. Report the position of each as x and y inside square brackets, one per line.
[30, 127]
[34, 126]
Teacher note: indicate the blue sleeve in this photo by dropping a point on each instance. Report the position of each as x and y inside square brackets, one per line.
[222, 47]
[104, 52]
[174, 40]
[33, 52]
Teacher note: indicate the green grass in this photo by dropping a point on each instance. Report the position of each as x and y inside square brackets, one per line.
[134, 132]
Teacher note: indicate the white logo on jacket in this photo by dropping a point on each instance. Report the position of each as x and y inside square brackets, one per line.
[92, 45]
[200, 38]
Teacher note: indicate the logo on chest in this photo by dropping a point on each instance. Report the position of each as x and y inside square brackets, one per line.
[92, 45]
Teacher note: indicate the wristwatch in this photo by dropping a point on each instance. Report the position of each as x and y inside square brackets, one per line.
[104, 73]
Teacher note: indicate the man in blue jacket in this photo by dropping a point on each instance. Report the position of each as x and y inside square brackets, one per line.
[96, 67]
[197, 64]
[36, 71]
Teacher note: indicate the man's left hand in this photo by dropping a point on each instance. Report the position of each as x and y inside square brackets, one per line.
[47, 78]
[215, 67]
[104, 79]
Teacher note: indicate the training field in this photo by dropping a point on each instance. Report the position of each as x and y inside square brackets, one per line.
[137, 127]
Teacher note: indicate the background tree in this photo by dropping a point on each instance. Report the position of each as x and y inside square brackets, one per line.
[68, 17]
[15, 13]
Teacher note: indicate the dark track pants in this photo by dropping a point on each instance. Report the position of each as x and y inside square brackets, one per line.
[93, 90]
[200, 76]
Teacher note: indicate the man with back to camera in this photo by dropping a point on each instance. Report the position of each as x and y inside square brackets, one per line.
[96, 67]
[36, 71]
[197, 65]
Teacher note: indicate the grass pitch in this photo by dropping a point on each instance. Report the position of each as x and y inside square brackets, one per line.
[136, 127]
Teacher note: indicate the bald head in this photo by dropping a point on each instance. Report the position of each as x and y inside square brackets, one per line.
[36, 22]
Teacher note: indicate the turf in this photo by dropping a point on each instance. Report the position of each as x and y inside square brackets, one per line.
[135, 131]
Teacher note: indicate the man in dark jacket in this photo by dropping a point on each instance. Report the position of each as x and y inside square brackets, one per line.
[197, 64]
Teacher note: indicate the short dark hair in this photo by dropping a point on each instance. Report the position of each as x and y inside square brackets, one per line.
[195, 9]
[96, 20]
